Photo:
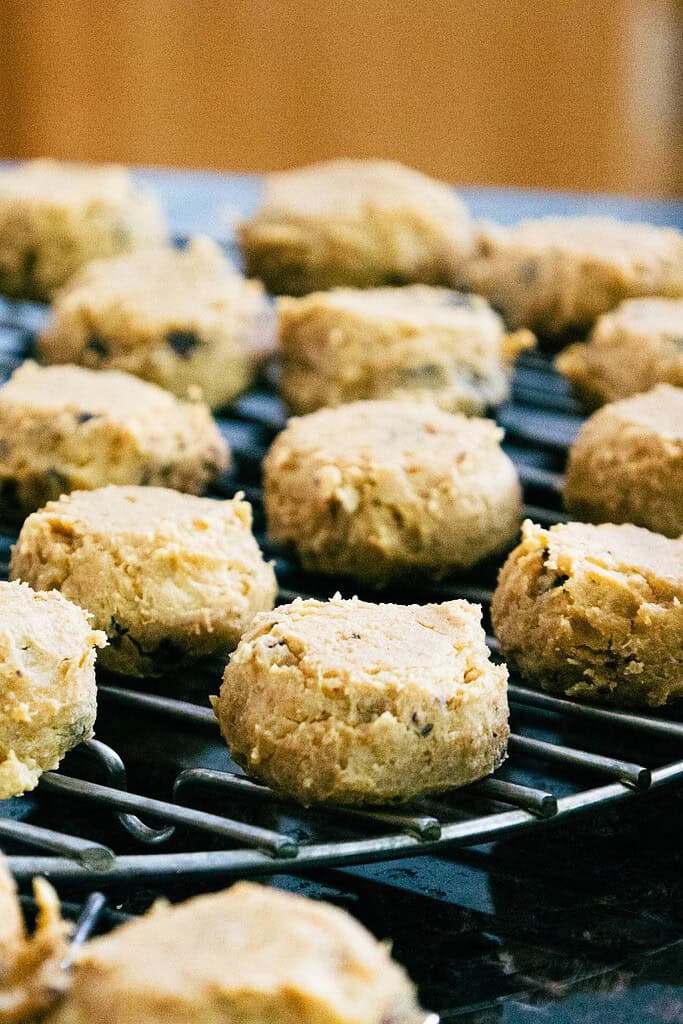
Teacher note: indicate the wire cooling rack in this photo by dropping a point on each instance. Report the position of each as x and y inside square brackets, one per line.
[156, 796]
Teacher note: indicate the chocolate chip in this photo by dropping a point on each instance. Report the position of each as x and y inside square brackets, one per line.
[98, 345]
[83, 417]
[427, 729]
[355, 636]
[183, 343]
[528, 272]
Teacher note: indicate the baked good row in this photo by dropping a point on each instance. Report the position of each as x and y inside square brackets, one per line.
[349, 232]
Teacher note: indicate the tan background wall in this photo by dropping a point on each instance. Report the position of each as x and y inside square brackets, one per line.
[563, 93]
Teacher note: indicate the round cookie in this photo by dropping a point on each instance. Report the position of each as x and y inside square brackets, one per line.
[560, 273]
[165, 575]
[386, 489]
[638, 345]
[48, 697]
[56, 217]
[356, 703]
[594, 612]
[418, 341]
[626, 465]
[251, 955]
[185, 320]
[65, 428]
[362, 223]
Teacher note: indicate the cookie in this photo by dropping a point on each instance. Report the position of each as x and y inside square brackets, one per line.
[626, 465]
[356, 703]
[389, 489]
[638, 345]
[166, 575]
[64, 428]
[185, 320]
[47, 683]
[362, 223]
[248, 955]
[33, 973]
[594, 612]
[56, 217]
[560, 273]
[418, 341]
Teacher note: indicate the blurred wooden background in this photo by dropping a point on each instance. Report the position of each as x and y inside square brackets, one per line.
[581, 94]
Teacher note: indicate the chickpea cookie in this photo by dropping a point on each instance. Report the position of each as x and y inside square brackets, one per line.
[48, 698]
[418, 341]
[185, 320]
[594, 612]
[166, 575]
[65, 428]
[626, 465]
[356, 703]
[362, 223]
[638, 345]
[248, 955]
[386, 489]
[557, 274]
[56, 217]
[32, 971]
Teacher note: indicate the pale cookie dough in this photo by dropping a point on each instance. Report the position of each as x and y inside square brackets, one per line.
[561, 273]
[418, 341]
[638, 345]
[47, 683]
[594, 612]
[382, 490]
[361, 223]
[56, 217]
[248, 955]
[356, 703]
[165, 575]
[626, 465]
[65, 428]
[185, 320]
[32, 971]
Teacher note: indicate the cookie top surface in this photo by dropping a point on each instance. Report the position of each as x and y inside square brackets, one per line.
[658, 411]
[109, 393]
[350, 188]
[53, 182]
[27, 615]
[389, 432]
[248, 950]
[644, 316]
[613, 550]
[163, 283]
[418, 305]
[594, 237]
[378, 645]
[147, 514]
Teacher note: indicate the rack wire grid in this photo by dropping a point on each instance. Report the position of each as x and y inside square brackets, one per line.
[156, 797]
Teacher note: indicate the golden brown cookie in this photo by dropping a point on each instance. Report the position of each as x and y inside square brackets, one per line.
[594, 612]
[383, 490]
[65, 428]
[417, 341]
[560, 273]
[638, 345]
[56, 217]
[185, 320]
[48, 697]
[166, 575]
[626, 465]
[362, 223]
[351, 702]
[249, 955]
